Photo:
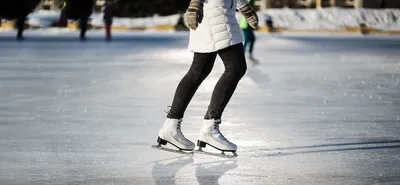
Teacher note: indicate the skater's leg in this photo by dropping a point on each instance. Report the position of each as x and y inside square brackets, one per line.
[201, 67]
[108, 32]
[252, 40]
[20, 27]
[62, 21]
[83, 27]
[246, 39]
[235, 68]
[171, 130]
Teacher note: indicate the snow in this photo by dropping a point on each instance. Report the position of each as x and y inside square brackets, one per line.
[309, 19]
[320, 109]
[334, 18]
[43, 18]
[147, 22]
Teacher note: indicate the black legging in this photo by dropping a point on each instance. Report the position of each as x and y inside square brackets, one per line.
[20, 23]
[83, 23]
[235, 68]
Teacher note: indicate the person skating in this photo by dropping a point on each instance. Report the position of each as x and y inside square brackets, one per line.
[20, 24]
[107, 18]
[214, 31]
[78, 10]
[249, 36]
[63, 20]
[17, 10]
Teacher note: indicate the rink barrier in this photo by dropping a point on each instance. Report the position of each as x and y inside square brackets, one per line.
[266, 29]
[163, 28]
[126, 28]
[75, 26]
[9, 25]
[362, 30]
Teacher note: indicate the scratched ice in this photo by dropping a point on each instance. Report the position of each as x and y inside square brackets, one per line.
[319, 109]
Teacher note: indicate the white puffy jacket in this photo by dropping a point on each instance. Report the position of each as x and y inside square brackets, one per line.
[219, 28]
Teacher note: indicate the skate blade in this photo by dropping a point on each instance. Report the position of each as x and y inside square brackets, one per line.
[172, 150]
[255, 62]
[215, 154]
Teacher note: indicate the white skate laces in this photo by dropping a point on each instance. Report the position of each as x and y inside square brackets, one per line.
[220, 135]
[179, 136]
[217, 131]
[211, 135]
[171, 133]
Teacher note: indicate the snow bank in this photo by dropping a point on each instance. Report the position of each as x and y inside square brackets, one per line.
[147, 22]
[43, 18]
[334, 18]
[305, 19]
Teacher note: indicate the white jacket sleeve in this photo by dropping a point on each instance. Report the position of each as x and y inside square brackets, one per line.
[241, 3]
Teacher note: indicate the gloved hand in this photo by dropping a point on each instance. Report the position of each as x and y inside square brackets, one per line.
[250, 14]
[194, 14]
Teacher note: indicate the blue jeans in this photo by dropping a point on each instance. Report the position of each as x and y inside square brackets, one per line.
[249, 38]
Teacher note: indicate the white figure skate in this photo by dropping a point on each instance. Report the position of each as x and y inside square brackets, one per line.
[171, 133]
[210, 135]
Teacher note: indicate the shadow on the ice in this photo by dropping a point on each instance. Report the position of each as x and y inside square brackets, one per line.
[337, 147]
[258, 76]
[164, 171]
[209, 173]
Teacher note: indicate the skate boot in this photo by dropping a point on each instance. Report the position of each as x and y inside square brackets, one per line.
[171, 133]
[253, 60]
[210, 135]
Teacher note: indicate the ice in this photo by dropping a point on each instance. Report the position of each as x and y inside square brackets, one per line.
[76, 112]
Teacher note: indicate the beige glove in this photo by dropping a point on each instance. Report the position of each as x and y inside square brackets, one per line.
[250, 14]
[194, 14]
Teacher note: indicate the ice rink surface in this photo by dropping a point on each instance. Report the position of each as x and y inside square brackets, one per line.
[319, 109]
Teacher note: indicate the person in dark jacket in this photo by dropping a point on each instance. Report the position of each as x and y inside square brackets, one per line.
[107, 18]
[17, 10]
[79, 10]
[63, 21]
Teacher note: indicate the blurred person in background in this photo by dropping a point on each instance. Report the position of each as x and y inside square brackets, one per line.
[108, 18]
[214, 31]
[17, 10]
[78, 10]
[269, 23]
[249, 36]
[63, 21]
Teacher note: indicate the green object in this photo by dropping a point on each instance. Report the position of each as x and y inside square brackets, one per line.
[243, 22]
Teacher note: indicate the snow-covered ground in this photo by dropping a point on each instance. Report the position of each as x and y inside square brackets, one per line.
[319, 109]
[303, 19]
[335, 18]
